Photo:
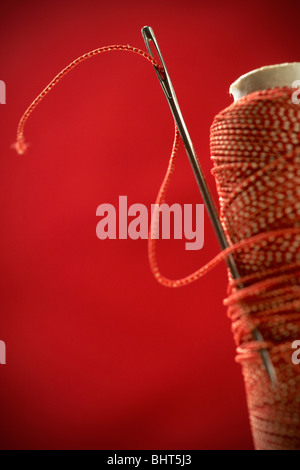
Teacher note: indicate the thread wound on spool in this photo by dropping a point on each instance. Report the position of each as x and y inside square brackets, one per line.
[255, 148]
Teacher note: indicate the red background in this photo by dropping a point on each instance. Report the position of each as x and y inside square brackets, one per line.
[98, 354]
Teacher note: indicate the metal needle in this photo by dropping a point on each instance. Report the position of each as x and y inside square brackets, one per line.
[169, 92]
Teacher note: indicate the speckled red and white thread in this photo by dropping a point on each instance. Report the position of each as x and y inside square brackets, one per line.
[20, 144]
[255, 147]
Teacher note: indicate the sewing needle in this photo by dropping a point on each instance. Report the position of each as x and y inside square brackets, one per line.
[169, 92]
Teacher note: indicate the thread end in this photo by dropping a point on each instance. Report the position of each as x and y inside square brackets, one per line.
[20, 147]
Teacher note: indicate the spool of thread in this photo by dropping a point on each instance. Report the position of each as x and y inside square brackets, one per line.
[255, 147]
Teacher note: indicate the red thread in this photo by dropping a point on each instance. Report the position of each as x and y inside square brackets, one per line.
[20, 144]
[255, 147]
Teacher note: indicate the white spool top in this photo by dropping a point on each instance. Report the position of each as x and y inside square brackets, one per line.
[264, 78]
